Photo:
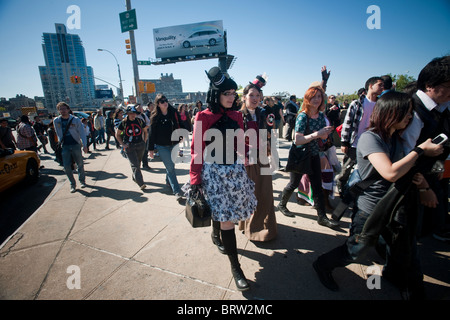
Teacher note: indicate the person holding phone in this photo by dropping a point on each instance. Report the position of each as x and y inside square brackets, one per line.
[311, 117]
[380, 149]
[431, 98]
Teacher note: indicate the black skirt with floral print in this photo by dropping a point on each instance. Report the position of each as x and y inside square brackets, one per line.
[229, 192]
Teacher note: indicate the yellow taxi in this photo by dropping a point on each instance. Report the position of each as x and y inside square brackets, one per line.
[17, 166]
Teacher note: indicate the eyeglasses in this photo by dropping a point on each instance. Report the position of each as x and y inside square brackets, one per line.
[163, 101]
[227, 94]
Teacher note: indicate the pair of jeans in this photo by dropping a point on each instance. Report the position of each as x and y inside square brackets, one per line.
[101, 135]
[135, 152]
[72, 152]
[165, 153]
[352, 250]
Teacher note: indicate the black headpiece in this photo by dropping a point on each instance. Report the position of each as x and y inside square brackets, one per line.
[220, 80]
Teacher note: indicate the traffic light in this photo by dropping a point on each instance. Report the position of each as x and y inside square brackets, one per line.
[128, 46]
[141, 85]
[75, 79]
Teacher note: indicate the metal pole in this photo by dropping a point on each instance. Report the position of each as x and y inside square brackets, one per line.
[118, 67]
[134, 59]
[223, 64]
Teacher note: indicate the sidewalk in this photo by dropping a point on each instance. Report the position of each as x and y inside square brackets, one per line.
[118, 242]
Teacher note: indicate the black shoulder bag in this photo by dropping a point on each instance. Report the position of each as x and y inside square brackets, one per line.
[58, 150]
[299, 159]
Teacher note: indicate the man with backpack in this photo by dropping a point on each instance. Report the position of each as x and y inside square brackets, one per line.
[72, 138]
[132, 134]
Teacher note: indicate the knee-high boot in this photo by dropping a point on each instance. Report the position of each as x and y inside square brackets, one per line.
[215, 236]
[326, 263]
[285, 196]
[229, 243]
[322, 219]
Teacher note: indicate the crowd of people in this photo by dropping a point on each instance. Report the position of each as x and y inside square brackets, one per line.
[385, 135]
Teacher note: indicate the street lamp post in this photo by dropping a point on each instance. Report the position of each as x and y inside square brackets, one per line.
[118, 68]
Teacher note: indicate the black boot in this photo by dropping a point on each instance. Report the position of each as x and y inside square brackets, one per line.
[285, 196]
[326, 263]
[229, 243]
[215, 236]
[325, 276]
[324, 221]
[319, 202]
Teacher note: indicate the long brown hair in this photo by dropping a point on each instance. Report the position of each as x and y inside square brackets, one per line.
[157, 110]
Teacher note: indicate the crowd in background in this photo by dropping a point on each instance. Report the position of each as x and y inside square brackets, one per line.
[143, 134]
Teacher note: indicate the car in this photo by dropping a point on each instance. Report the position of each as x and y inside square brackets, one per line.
[17, 166]
[203, 38]
[12, 123]
[80, 115]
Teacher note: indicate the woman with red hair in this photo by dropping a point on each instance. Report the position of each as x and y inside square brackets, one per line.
[309, 127]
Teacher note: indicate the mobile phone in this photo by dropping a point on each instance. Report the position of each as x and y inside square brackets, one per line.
[440, 139]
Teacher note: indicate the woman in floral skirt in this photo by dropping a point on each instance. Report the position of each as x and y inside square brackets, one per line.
[216, 171]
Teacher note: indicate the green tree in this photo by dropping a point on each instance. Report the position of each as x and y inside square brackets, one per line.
[401, 80]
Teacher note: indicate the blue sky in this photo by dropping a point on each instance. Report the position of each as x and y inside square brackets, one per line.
[289, 40]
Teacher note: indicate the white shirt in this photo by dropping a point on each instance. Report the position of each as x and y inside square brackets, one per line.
[86, 129]
[412, 132]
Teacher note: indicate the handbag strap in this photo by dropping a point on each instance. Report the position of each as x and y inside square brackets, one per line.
[66, 129]
[307, 130]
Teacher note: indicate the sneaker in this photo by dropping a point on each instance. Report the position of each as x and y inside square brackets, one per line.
[143, 187]
[72, 189]
[83, 185]
[178, 196]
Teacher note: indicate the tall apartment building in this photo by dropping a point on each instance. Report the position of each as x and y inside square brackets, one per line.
[65, 57]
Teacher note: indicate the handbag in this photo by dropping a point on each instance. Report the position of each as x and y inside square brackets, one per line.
[299, 159]
[198, 212]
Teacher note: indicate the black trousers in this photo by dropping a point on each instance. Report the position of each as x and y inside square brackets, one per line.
[316, 184]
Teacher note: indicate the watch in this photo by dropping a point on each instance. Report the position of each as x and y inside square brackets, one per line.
[418, 150]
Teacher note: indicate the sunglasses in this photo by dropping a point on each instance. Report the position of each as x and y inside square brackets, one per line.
[163, 101]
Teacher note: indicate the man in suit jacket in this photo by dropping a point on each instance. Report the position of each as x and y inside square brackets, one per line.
[431, 118]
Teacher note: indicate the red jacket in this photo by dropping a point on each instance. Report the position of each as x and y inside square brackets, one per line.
[203, 121]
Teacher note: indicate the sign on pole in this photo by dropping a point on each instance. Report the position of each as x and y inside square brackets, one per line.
[144, 63]
[128, 20]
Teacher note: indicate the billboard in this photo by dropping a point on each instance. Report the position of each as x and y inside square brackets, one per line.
[189, 40]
